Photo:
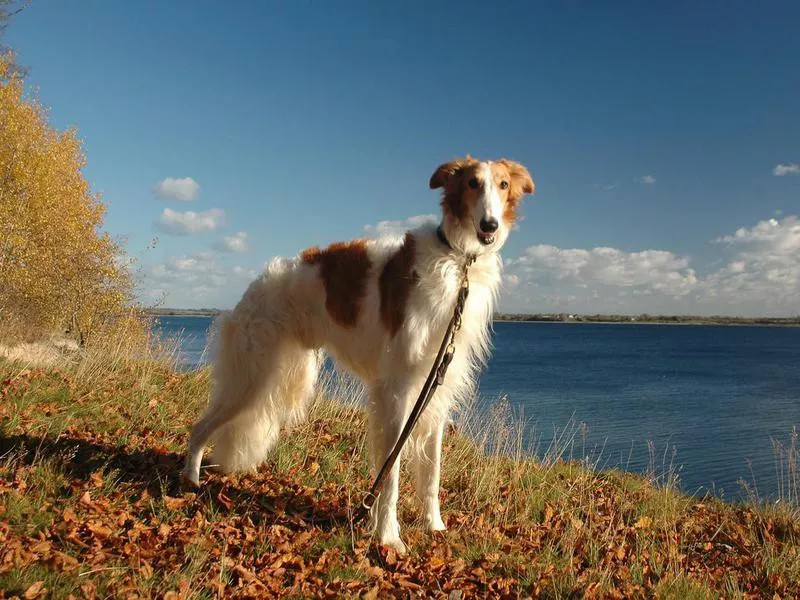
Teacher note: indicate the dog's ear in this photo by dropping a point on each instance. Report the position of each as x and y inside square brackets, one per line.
[521, 180]
[442, 175]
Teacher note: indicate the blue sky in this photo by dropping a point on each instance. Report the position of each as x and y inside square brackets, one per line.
[655, 133]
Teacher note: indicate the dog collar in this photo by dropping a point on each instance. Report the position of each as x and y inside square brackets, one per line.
[442, 238]
[470, 258]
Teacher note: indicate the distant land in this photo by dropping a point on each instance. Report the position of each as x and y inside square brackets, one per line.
[183, 312]
[559, 318]
[647, 318]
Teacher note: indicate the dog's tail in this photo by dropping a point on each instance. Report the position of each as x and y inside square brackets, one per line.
[265, 379]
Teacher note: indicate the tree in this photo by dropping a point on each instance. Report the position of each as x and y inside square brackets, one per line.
[58, 270]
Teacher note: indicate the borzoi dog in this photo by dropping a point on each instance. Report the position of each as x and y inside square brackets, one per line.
[380, 308]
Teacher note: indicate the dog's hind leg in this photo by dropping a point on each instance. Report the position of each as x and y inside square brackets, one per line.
[298, 373]
[249, 406]
[245, 375]
[244, 442]
[219, 414]
[238, 380]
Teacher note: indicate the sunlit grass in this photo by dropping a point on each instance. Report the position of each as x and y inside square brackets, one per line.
[114, 427]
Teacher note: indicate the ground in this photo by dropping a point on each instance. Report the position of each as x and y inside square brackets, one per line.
[90, 507]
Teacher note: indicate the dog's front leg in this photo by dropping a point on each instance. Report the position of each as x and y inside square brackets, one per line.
[427, 466]
[389, 406]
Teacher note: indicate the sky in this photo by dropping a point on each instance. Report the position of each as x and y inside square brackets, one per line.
[664, 138]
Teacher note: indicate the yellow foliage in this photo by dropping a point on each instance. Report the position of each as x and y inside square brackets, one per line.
[58, 270]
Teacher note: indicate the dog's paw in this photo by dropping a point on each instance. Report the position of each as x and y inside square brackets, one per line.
[395, 543]
[436, 524]
[190, 482]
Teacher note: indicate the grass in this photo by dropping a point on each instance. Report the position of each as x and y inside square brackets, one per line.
[90, 507]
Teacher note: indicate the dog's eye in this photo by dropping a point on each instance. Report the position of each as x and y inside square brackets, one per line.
[503, 185]
[473, 183]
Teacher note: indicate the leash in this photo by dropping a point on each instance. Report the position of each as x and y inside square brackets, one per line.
[435, 378]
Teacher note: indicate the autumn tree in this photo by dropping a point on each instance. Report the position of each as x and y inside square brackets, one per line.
[58, 270]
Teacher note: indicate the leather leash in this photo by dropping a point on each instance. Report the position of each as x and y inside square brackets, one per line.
[434, 380]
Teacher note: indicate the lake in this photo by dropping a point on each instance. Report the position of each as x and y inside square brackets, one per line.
[708, 400]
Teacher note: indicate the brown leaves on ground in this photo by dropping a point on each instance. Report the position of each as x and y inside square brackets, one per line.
[93, 510]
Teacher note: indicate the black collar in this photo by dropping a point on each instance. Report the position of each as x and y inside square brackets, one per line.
[470, 258]
[442, 237]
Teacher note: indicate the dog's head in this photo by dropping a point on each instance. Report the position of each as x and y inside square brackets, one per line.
[480, 201]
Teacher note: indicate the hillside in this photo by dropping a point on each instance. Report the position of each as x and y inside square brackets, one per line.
[89, 507]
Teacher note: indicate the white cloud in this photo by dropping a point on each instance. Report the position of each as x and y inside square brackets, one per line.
[183, 223]
[760, 276]
[196, 280]
[772, 232]
[242, 272]
[605, 187]
[654, 269]
[199, 266]
[765, 269]
[786, 169]
[399, 227]
[186, 268]
[184, 189]
[648, 179]
[233, 243]
[154, 296]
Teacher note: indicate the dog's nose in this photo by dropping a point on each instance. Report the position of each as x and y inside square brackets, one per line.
[489, 225]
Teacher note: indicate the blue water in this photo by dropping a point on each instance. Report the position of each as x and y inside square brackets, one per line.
[709, 399]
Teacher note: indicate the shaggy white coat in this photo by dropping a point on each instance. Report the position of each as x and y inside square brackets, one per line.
[268, 354]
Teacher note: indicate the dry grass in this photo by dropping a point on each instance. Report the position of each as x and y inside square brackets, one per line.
[89, 506]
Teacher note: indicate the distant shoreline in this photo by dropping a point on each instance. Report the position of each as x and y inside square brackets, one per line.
[182, 312]
[650, 319]
[698, 323]
[561, 318]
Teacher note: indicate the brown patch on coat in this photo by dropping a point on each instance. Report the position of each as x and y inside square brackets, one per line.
[394, 284]
[344, 269]
[310, 256]
[451, 177]
[520, 183]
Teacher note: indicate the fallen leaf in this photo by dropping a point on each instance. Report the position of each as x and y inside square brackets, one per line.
[224, 500]
[145, 570]
[98, 529]
[97, 478]
[35, 590]
[174, 503]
